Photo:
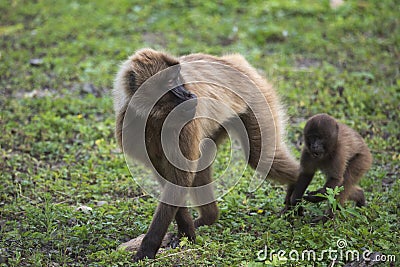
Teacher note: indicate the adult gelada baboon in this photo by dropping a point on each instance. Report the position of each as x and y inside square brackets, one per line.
[209, 97]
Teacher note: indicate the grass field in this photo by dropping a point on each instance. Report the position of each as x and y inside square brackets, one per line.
[58, 151]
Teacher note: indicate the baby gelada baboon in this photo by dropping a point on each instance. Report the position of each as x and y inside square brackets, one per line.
[339, 152]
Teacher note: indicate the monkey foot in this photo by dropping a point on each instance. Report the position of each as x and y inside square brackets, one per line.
[142, 255]
[134, 244]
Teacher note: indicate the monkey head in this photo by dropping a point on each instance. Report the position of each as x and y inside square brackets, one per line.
[321, 135]
[154, 79]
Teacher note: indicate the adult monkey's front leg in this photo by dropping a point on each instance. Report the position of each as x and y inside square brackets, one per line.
[158, 228]
[164, 215]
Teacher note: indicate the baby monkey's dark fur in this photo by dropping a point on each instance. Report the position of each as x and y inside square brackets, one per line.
[340, 153]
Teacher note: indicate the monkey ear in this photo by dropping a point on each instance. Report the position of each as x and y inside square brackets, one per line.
[131, 80]
[171, 61]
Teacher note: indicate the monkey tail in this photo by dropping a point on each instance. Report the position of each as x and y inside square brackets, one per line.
[285, 169]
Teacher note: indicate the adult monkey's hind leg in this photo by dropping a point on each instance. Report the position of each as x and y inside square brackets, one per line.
[284, 169]
[185, 227]
[185, 224]
[204, 194]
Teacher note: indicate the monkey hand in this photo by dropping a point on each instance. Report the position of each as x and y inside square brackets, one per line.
[141, 254]
[319, 191]
[175, 240]
[312, 196]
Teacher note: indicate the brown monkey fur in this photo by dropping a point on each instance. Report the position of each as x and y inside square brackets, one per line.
[147, 62]
[340, 153]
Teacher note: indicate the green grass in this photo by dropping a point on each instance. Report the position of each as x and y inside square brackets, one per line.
[58, 150]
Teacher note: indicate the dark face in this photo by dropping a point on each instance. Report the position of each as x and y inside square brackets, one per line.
[179, 92]
[158, 85]
[176, 96]
[320, 135]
